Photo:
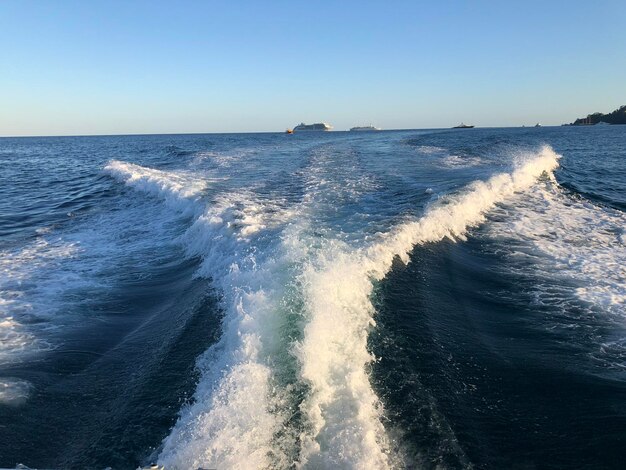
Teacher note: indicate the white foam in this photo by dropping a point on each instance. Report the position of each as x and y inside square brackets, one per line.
[570, 239]
[15, 340]
[21, 275]
[259, 255]
[42, 284]
[430, 149]
[14, 392]
[344, 414]
[457, 161]
[236, 409]
[178, 189]
[224, 160]
[452, 216]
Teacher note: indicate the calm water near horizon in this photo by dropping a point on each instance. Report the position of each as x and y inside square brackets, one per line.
[437, 299]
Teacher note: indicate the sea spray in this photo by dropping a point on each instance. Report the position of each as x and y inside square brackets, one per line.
[568, 238]
[345, 414]
[97, 285]
[238, 408]
[452, 216]
[181, 191]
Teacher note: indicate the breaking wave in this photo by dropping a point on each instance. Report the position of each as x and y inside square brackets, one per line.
[343, 409]
[571, 239]
[287, 383]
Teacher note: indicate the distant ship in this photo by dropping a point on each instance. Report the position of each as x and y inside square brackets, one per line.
[365, 128]
[462, 126]
[537, 125]
[318, 126]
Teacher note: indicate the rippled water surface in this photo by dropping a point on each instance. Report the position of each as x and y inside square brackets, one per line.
[396, 299]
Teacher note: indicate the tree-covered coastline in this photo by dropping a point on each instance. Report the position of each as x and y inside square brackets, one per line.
[616, 117]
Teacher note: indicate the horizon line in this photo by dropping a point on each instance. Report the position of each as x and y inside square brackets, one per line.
[265, 132]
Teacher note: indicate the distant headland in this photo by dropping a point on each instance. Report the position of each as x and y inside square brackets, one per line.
[616, 117]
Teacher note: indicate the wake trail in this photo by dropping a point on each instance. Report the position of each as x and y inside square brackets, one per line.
[344, 412]
[241, 414]
[236, 409]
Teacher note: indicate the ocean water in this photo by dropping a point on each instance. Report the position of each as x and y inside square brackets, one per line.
[437, 299]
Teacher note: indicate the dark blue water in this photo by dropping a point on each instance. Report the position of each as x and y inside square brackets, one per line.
[401, 299]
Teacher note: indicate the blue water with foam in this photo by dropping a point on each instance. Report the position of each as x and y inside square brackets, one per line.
[396, 299]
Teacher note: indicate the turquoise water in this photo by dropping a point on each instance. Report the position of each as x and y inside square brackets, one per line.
[420, 299]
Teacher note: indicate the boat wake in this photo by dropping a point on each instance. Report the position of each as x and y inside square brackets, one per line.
[568, 238]
[287, 384]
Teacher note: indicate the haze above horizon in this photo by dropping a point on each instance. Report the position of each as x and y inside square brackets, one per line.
[77, 68]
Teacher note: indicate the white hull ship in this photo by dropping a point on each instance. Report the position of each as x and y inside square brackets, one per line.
[364, 128]
[318, 126]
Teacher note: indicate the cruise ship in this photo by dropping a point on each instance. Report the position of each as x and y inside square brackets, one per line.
[365, 128]
[318, 126]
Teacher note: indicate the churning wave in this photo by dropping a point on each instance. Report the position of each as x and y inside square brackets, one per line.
[575, 253]
[568, 238]
[288, 381]
[48, 286]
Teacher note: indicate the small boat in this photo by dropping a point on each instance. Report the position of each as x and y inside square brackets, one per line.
[463, 126]
[289, 131]
[537, 125]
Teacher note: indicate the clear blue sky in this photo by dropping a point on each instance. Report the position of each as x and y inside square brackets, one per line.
[110, 67]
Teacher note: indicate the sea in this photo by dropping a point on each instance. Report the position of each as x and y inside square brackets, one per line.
[420, 299]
